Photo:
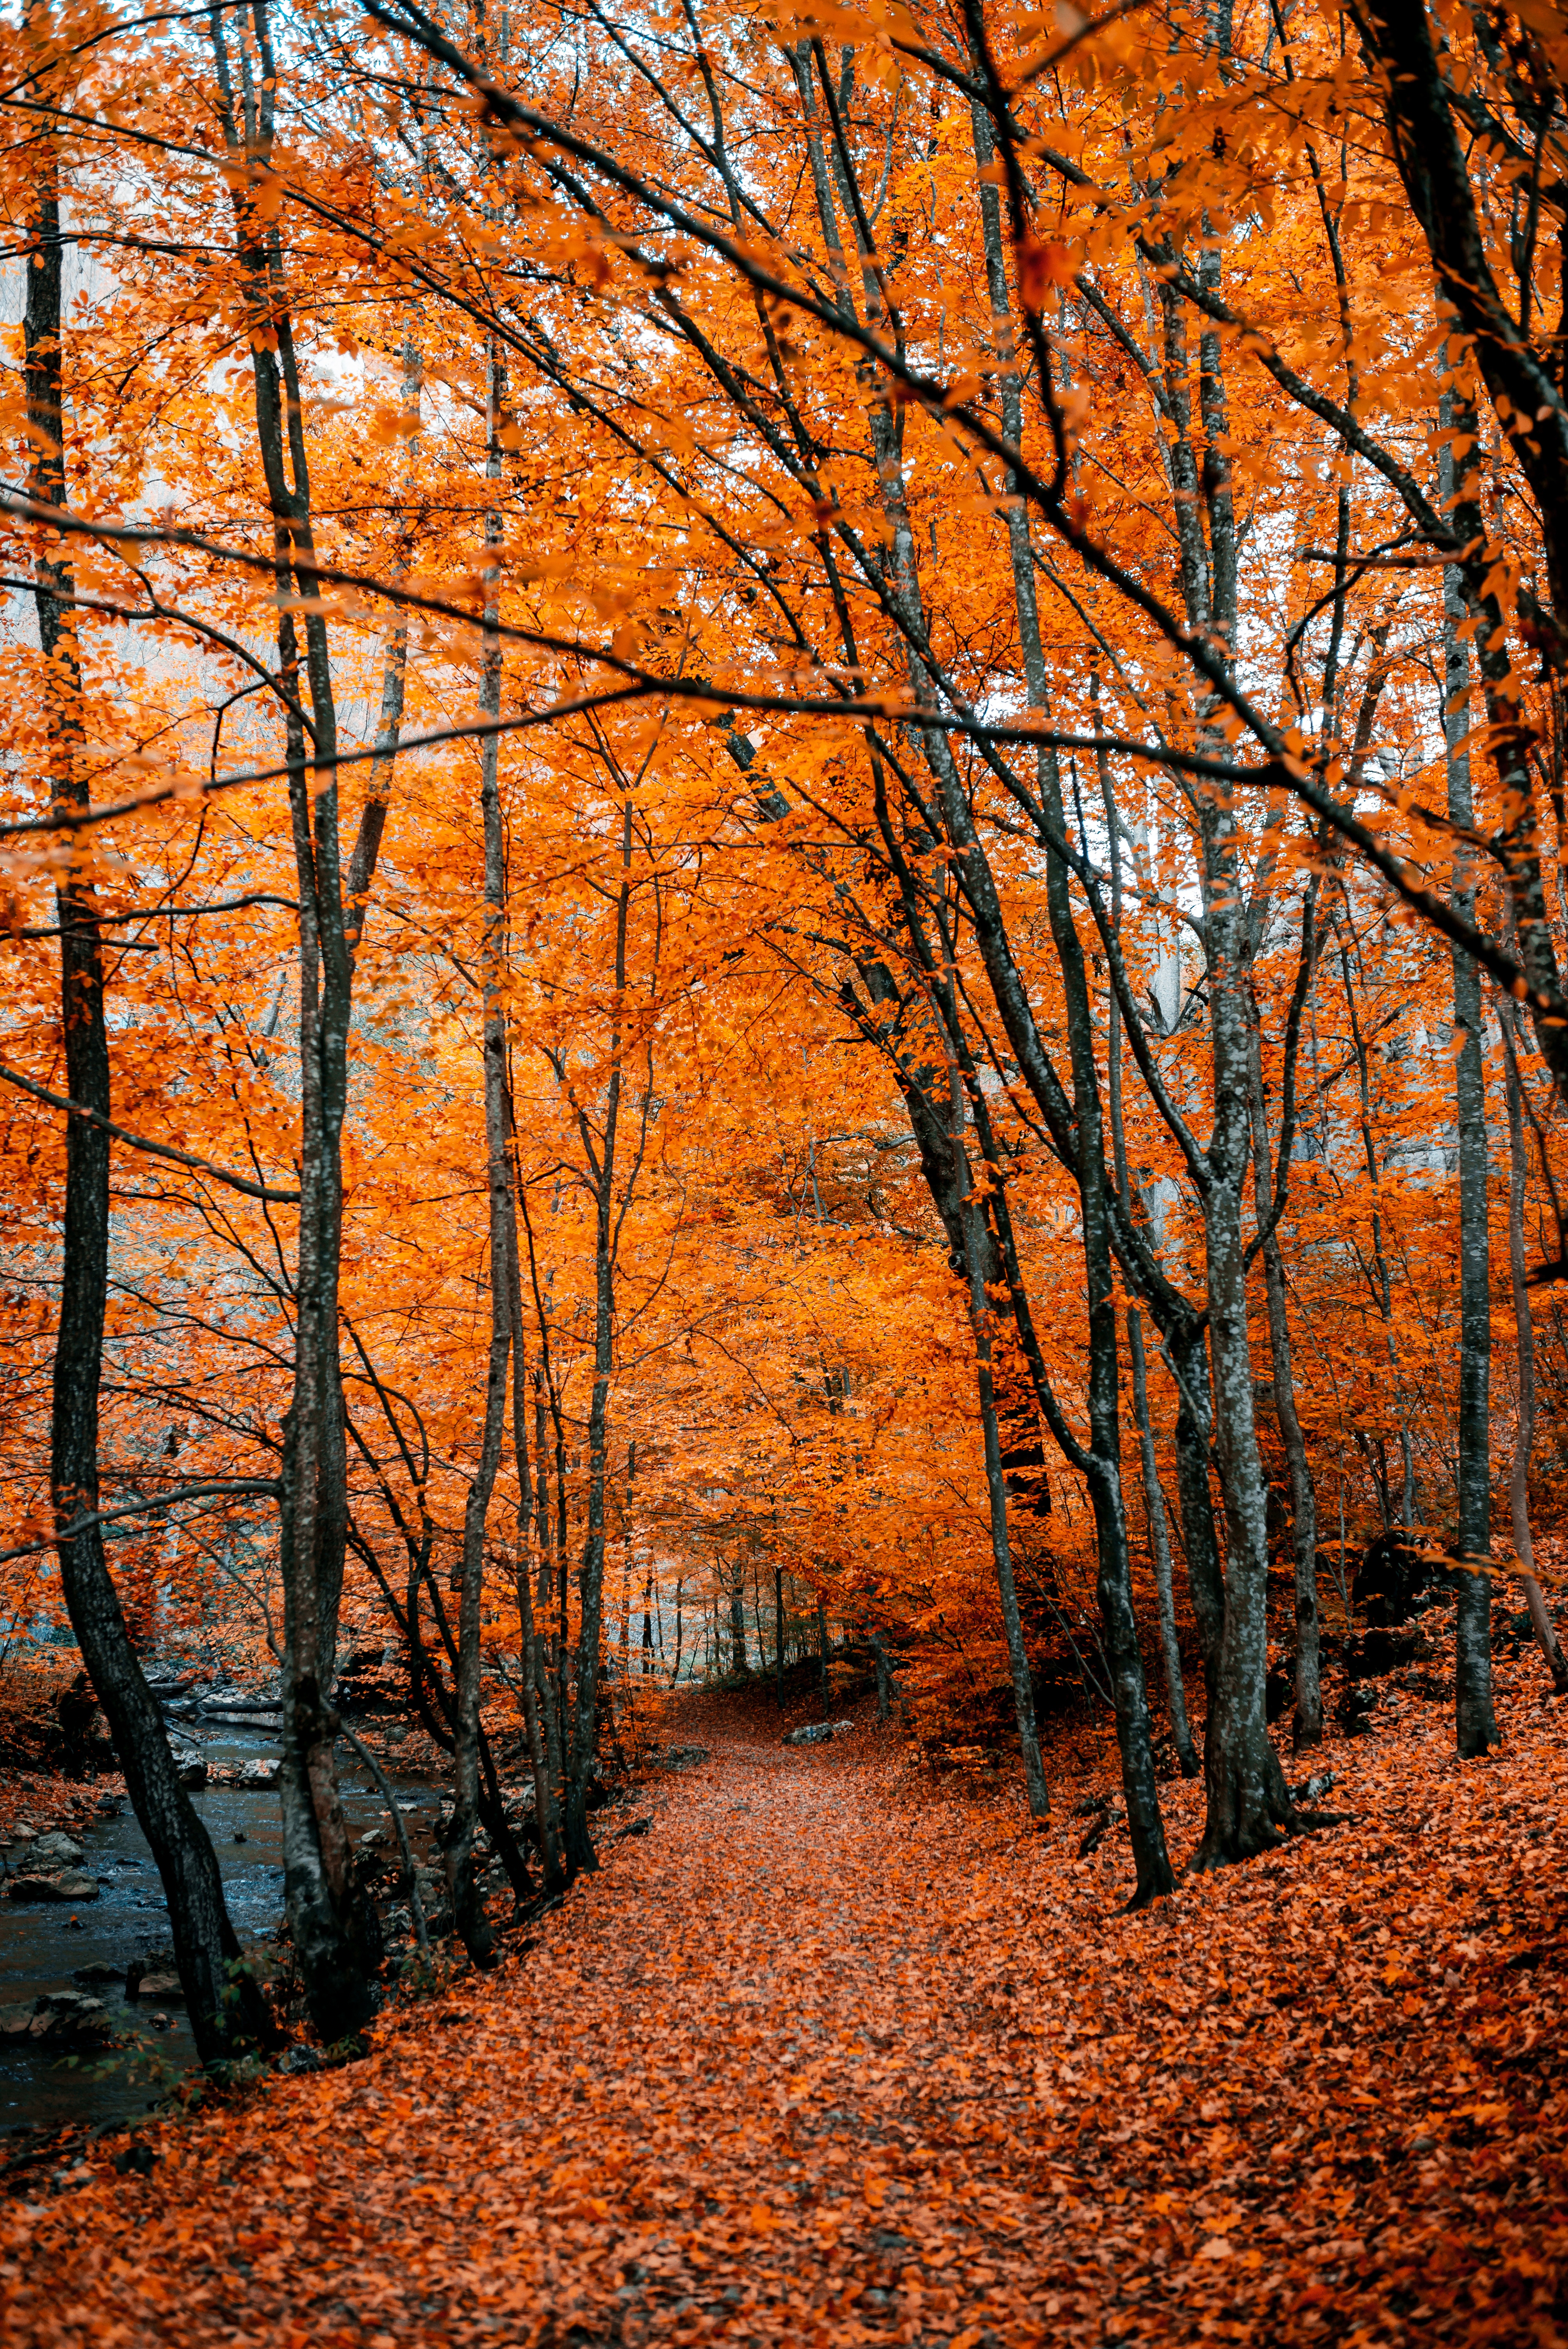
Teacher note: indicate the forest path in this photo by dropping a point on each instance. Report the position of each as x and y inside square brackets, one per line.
[822, 2059]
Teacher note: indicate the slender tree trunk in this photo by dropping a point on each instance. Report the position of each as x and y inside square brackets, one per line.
[1307, 1727]
[1248, 1804]
[1475, 1722]
[227, 2013]
[543, 1733]
[332, 1925]
[1159, 1550]
[579, 1853]
[779, 1635]
[467, 1906]
[1153, 1499]
[979, 1252]
[1380, 1253]
[738, 1619]
[1524, 1340]
[822, 1660]
[884, 1672]
[394, 681]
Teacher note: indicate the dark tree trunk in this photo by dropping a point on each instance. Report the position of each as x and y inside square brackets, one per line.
[227, 2013]
[331, 1923]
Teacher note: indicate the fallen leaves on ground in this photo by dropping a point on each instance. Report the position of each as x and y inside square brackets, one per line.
[835, 2056]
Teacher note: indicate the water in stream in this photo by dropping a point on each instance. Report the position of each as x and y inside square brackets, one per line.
[40, 1950]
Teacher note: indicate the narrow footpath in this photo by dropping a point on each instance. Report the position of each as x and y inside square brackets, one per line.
[831, 2054]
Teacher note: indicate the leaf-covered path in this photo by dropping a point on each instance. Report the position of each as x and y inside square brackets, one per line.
[828, 2057]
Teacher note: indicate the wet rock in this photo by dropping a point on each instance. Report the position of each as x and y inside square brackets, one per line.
[190, 1762]
[262, 1771]
[152, 1961]
[817, 1732]
[60, 2015]
[99, 1970]
[165, 1685]
[55, 1851]
[69, 1885]
[159, 1986]
[299, 2059]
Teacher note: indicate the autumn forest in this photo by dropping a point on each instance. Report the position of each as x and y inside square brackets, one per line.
[783, 1141]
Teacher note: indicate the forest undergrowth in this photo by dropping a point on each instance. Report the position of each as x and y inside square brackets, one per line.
[832, 2055]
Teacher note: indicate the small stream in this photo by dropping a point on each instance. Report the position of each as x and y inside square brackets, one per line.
[40, 1950]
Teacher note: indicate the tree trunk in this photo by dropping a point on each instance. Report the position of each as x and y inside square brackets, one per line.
[227, 2013]
[1524, 1340]
[468, 1905]
[738, 1621]
[1307, 1727]
[1159, 1550]
[331, 1923]
[579, 1848]
[1475, 1723]
[1248, 1806]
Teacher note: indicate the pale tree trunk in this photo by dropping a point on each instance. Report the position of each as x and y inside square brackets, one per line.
[1248, 1805]
[468, 1907]
[777, 1634]
[1307, 1726]
[1524, 1340]
[227, 2013]
[1385, 1286]
[1159, 1550]
[579, 1848]
[394, 682]
[538, 1687]
[1153, 1498]
[1475, 1722]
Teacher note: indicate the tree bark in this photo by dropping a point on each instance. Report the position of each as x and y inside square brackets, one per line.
[467, 1906]
[1524, 1341]
[226, 2008]
[1475, 1722]
[1160, 1551]
[579, 1848]
[1307, 1726]
[331, 1924]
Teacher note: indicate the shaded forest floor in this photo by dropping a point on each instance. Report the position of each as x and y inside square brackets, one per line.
[835, 2053]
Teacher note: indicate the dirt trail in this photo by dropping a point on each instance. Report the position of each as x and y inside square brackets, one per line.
[822, 2060]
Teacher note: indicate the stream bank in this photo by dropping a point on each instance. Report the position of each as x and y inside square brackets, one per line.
[58, 1947]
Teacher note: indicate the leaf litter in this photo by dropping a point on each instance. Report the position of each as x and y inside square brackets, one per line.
[830, 2057]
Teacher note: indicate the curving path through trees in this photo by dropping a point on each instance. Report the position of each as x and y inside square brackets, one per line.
[829, 2055]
